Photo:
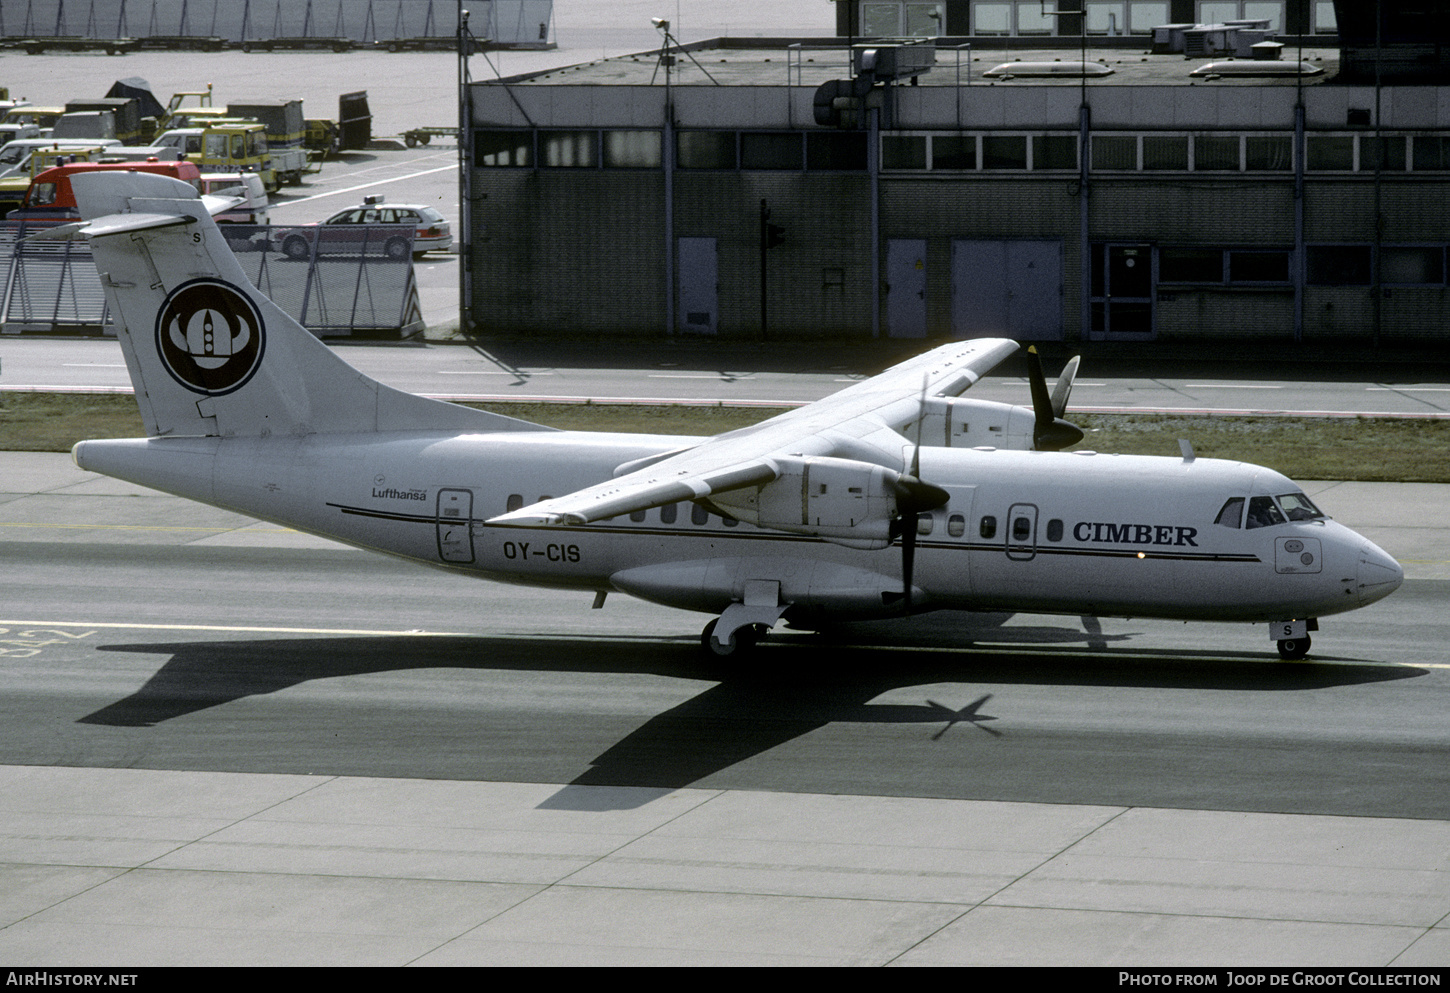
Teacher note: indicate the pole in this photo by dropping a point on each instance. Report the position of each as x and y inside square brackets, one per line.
[465, 179]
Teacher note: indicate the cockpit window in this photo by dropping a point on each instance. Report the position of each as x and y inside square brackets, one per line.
[1231, 516]
[1297, 507]
[1263, 512]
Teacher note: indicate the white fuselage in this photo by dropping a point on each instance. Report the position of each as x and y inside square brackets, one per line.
[1077, 533]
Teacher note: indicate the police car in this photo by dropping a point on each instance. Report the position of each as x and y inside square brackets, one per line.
[372, 228]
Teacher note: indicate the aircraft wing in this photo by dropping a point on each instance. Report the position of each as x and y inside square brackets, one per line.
[862, 423]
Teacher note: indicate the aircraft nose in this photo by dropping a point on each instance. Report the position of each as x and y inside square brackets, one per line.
[1379, 574]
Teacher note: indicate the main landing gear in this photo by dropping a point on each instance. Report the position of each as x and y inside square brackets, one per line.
[741, 626]
[740, 642]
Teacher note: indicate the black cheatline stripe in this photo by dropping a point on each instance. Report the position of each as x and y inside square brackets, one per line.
[1109, 553]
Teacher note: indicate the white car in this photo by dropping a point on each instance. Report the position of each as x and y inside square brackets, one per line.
[355, 230]
[248, 185]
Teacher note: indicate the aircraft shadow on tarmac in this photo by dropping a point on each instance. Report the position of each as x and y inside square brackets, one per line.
[752, 707]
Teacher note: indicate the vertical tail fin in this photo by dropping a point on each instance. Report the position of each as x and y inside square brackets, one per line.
[208, 354]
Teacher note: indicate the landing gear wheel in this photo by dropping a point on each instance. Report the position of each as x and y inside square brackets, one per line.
[1294, 649]
[745, 639]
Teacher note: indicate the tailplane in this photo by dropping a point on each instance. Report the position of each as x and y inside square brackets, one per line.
[210, 355]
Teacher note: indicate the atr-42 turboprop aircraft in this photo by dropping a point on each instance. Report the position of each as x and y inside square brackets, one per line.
[893, 497]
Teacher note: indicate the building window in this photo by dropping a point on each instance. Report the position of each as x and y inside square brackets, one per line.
[1412, 266]
[1125, 17]
[569, 149]
[836, 150]
[632, 150]
[1007, 151]
[503, 149]
[903, 151]
[1054, 151]
[1386, 153]
[1018, 17]
[771, 150]
[1338, 265]
[1111, 152]
[954, 152]
[1253, 266]
[705, 149]
[1330, 154]
[1216, 153]
[902, 19]
[1431, 154]
[1268, 153]
[1190, 265]
[1218, 11]
[1165, 152]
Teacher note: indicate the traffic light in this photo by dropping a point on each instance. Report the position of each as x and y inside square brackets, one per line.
[771, 235]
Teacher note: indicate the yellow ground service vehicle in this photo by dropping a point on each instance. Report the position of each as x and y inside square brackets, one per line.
[238, 147]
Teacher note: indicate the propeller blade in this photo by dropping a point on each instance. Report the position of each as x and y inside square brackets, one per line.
[1063, 389]
[1051, 433]
[920, 417]
[908, 560]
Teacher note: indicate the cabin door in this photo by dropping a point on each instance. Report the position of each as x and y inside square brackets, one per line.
[455, 525]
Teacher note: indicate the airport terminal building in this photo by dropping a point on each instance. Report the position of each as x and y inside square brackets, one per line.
[1283, 174]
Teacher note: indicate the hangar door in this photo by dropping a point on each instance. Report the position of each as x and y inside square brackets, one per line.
[1007, 288]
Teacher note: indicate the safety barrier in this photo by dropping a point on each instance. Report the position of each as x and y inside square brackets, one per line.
[364, 285]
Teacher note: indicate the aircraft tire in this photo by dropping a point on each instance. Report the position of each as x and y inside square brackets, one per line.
[1294, 649]
[745, 640]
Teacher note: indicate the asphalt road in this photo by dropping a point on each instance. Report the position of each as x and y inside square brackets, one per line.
[687, 375]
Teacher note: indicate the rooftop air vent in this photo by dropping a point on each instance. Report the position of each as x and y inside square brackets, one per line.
[1047, 70]
[1255, 67]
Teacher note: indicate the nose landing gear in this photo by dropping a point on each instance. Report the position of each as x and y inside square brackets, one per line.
[1294, 649]
[1292, 637]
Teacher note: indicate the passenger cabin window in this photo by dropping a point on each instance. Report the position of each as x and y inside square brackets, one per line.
[924, 524]
[956, 525]
[988, 528]
[1054, 530]
[1232, 514]
[1263, 512]
[668, 513]
[515, 501]
[698, 514]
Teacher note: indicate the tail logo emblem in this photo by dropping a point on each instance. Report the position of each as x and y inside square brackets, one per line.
[210, 336]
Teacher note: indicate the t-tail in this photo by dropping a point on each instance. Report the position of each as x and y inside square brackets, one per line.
[208, 354]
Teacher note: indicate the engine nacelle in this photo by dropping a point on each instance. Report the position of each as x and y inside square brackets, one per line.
[841, 500]
[956, 422]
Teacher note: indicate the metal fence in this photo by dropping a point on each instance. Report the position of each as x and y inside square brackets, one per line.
[334, 288]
